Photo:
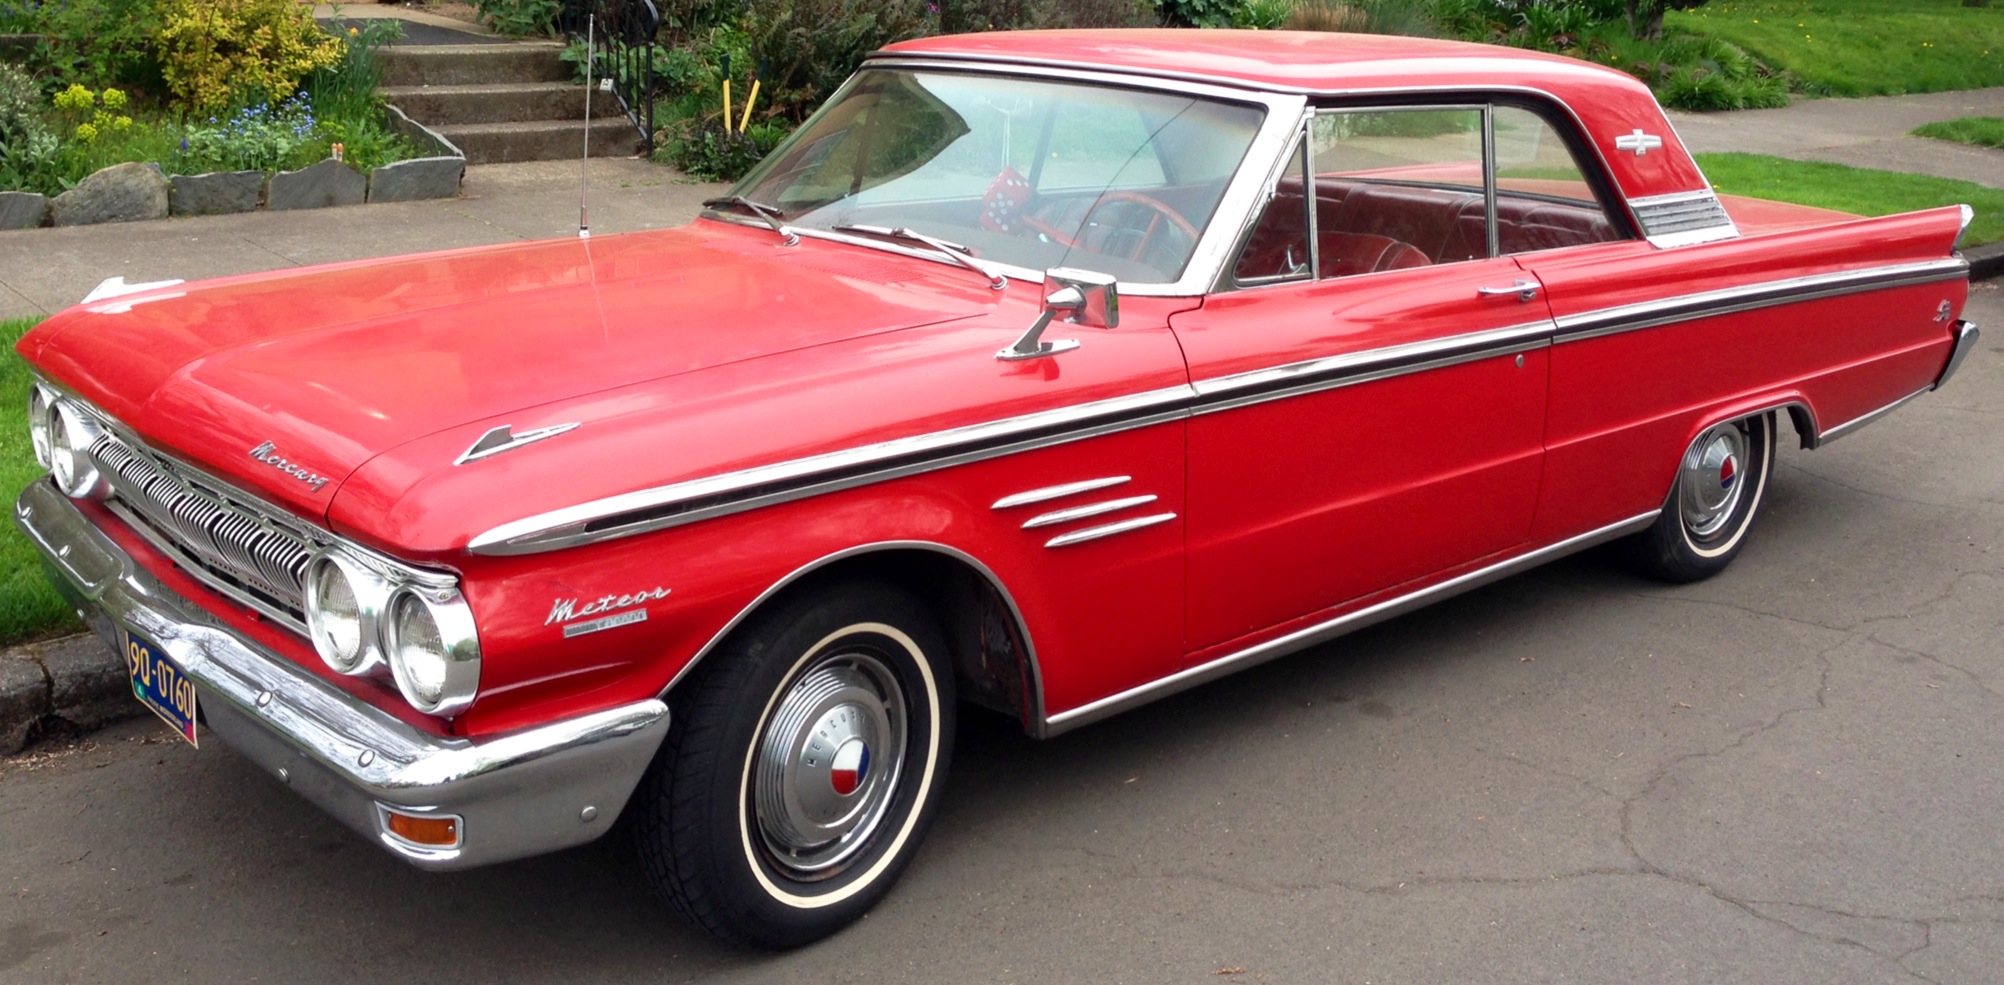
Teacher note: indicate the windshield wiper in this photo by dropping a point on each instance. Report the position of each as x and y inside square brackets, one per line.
[763, 211]
[954, 251]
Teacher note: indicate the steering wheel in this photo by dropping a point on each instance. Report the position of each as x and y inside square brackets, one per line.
[1143, 235]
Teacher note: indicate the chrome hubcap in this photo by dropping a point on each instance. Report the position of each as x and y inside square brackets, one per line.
[828, 763]
[1710, 486]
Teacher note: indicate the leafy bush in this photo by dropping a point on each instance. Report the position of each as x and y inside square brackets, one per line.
[1264, 15]
[705, 151]
[96, 43]
[803, 49]
[682, 19]
[962, 16]
[1412, 18]
[519, 18]
[1199, 13]
[1696, 73]
[26, 145]
[217, 52]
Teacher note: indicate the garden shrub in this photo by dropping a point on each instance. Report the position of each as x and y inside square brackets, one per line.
[519, 18]
[217, 52]
[26, 145]
[960, 16]
[1413, 18]
[96, 43]
[804, 49]
[706, 152]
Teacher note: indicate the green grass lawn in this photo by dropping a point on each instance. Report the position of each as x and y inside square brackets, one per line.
[1857, 190]
[29, 608]
[1863, 47]
[1981, 131]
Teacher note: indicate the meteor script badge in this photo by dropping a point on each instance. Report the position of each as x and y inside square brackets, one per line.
[620, 611]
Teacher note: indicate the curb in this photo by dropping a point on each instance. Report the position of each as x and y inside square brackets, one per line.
[76, 682]
[1985, 261]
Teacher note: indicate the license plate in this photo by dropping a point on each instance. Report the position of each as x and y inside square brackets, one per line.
[160, 684]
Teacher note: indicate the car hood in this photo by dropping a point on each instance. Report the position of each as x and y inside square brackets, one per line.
[272, 378]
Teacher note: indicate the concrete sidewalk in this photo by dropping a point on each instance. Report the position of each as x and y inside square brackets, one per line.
[45, 270]
[1863, 133]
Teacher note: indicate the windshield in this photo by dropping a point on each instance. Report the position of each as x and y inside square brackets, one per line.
[1025, 172]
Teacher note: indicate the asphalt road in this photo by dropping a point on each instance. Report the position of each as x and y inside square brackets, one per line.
[1787, 774]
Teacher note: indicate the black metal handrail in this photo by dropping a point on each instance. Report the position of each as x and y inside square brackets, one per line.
[622, 50]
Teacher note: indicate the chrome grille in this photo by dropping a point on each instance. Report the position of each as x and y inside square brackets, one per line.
[221, 537]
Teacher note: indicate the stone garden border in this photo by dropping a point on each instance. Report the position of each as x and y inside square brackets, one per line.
[138, 190]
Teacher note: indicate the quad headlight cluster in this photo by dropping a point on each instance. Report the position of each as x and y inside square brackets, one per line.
[365, 614]
[364, 618]
[62, 433]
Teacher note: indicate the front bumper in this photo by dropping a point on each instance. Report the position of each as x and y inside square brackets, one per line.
[524, 793]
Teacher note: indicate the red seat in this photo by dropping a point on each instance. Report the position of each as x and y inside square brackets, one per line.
[1344, 254]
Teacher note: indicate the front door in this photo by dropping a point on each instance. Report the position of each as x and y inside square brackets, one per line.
[1372, 394]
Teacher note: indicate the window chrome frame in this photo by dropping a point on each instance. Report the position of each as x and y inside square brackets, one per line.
[1217, 243]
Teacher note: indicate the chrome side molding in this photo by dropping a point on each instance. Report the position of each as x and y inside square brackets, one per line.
[1108, 530]
[1329, 629]
[1059, 491]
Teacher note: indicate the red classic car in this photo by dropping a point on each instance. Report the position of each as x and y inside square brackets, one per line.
[1052, 373]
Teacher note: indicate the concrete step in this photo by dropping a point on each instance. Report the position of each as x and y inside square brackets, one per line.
[473, 64]
[547, 140]
[508, 102]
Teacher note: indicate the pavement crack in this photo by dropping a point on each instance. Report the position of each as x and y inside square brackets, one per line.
[1740, 608]
[1582, 782]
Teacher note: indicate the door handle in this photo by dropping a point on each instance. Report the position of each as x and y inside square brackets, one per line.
[1526, 290]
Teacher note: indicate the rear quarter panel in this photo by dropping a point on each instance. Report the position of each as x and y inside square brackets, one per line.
[1842, 318]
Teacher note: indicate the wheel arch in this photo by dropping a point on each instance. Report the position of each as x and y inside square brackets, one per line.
[993, 658]
[1800, 415]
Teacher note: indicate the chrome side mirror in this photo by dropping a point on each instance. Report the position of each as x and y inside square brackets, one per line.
[1082, 297]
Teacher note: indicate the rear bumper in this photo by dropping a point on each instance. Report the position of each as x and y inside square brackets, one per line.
[524, 793]
[1965, 340]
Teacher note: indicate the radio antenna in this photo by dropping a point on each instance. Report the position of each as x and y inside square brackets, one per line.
[584, 164]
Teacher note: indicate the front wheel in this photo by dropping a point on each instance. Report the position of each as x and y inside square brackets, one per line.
[802, 768]
[1720, 481]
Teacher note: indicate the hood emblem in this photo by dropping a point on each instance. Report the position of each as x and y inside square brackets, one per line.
[268, 454]
[502, 439]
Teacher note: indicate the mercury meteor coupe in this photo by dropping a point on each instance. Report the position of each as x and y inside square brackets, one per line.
[1047, 372]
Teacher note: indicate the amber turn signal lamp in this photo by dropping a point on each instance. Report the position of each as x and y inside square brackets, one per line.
[431, 831]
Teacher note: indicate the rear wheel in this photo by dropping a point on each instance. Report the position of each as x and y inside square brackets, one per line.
[1720, 482]
[802, 768]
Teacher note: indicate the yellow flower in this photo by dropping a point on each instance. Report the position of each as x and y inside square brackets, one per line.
[75, 97]
[86, 132]
[354, 31]
[114, 99]
[122, 123]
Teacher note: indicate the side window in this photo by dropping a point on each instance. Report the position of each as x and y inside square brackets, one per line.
[1277, 248]
[1543, 198]
[1398, 188]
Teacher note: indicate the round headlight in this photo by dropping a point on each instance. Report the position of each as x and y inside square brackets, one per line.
[38, 424]
[71, 433]
[343, 602]
[434, 653]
